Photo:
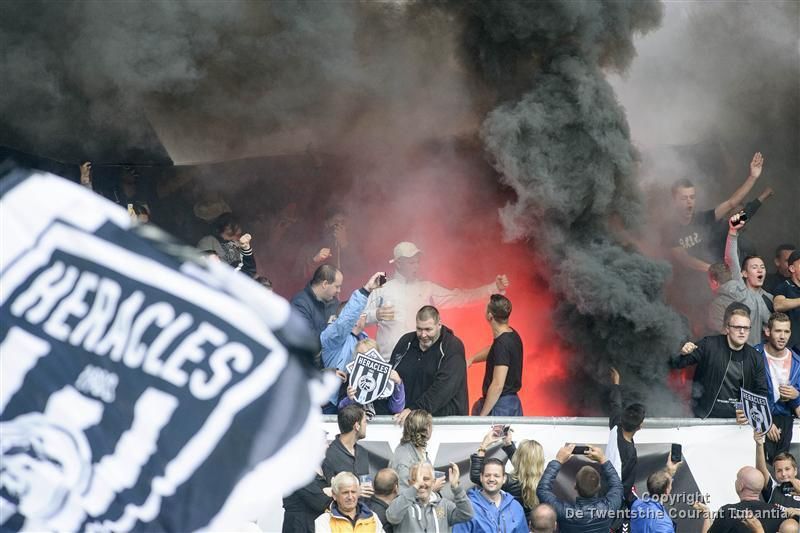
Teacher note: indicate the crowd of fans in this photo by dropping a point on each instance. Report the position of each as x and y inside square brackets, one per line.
[747, 322]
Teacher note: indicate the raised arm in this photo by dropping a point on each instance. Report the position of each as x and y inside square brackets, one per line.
[462, 510]
[690, 354]
[615, 490]
[86, 174]
[614, 400]
[544, 491]
[444, 298]
[399, 507]
[334, 334]
[248, 259]
[756, 165]
[732, 249]
[761, 459]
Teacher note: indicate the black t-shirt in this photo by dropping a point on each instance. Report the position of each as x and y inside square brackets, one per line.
[731, 390]
[790, 290]
[506, 350]
[772, 280]
[773, 494]
[694, 237]
[628, 458]
[730, 517]
[688, 290]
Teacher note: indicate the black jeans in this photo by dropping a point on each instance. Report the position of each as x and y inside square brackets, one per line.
[771, 449]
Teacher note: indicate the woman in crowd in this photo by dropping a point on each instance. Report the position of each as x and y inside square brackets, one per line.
[413, 446]
[528, 463]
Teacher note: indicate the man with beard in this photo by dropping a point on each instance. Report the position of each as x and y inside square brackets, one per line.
[783, 383]
[748, 287]
[431, 363]
[418, 509]
[688, 236]
[495, 510]
[787, 298]
[725, 365]
[344, 454]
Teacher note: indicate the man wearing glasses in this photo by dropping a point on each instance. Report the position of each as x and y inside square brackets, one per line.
[725, 364]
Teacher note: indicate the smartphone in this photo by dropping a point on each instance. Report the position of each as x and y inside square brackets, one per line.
[739, 406]
[580, 450]
[497, 430]
[675, 454]
[438, 474]
[505, 430]
[381, 279]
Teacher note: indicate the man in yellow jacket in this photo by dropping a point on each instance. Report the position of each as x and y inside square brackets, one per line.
[346, 514]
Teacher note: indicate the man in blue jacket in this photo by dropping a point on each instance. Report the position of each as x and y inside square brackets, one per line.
[317, 302]
[339, 338]
[783, 383]
[495, 510]
[648, 514]
[591, 513]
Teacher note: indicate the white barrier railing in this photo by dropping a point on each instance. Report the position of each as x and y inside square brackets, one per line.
[713, 450]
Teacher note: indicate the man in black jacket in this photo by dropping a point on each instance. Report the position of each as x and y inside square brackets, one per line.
[624, 423]
[433, 368]
[344, 454]
[386, 486]
[304, 505]
[725, 365]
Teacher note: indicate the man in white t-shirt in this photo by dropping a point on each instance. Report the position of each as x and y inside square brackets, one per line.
[394, 306]
[783, 383]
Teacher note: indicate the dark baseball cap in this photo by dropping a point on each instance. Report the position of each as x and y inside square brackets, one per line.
[795, 256]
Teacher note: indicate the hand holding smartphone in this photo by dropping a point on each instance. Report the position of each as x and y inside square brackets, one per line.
[676, 453]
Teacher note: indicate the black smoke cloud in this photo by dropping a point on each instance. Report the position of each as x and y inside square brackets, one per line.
[561, 141]
[718, 82]
[223, 80]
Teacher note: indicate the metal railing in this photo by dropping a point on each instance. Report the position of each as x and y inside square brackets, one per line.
[557, 421]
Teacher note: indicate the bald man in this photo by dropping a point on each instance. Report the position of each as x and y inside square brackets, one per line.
[749, 484]
[543, 519]
[789, 526]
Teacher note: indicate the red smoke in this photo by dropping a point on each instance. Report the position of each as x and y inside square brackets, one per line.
[532, 305]
[450, 210]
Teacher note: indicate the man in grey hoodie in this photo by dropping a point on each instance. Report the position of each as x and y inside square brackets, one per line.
[418, 509]
[747, 288]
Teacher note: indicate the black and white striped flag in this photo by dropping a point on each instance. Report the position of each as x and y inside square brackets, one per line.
[369, 376]
[140, 388]
[756, 408]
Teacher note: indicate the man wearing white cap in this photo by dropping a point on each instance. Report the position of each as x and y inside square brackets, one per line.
[394, 306]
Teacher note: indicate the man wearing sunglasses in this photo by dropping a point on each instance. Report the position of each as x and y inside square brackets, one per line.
[725, 365]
